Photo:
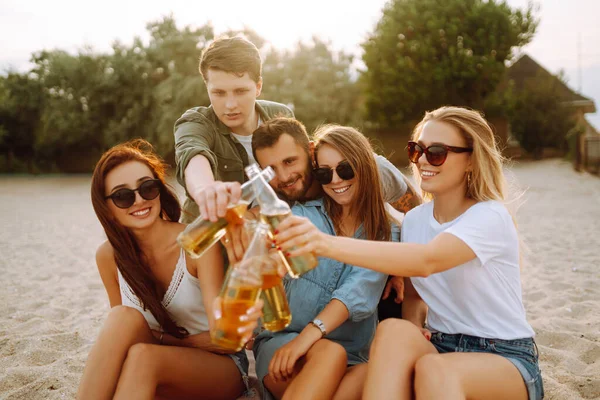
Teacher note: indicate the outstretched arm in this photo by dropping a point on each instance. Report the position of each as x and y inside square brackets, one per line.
[445, 251]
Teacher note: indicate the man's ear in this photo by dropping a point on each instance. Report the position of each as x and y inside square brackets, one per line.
[311, 150]
[259, 86]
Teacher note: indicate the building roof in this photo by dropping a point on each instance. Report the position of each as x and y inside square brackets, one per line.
[526, 68]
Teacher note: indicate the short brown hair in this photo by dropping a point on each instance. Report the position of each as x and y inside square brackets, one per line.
[235, 55]
[269, 133]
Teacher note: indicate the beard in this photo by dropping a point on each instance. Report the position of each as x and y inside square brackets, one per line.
[297, 194]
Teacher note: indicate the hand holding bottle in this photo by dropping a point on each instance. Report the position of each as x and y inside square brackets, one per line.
[296, 236]
[213, 198]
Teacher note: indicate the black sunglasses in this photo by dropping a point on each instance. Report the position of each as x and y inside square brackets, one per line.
[124, 198]
[325, 175]
[436, 153]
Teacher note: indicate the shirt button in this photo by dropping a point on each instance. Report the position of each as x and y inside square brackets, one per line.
[225, 166]
[330, 290]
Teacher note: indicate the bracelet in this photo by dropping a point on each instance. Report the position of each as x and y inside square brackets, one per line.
[160, 339]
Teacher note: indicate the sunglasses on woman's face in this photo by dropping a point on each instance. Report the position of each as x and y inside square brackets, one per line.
[436, 153]
[124, 198]
[325, 175]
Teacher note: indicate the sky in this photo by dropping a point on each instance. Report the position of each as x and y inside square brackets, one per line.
[568, 37]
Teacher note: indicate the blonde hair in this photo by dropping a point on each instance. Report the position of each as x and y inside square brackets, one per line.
[485, 179]
[368, 203]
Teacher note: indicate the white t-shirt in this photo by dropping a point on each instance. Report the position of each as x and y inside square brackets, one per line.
[483, 296]
[246, 141]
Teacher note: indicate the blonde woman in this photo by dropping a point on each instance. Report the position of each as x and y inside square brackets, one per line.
[461, 251]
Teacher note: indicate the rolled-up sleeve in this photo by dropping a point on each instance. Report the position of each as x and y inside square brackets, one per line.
[393, 183]
[361, 292]
[192, 137]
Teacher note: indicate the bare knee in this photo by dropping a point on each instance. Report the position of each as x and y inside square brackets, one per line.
[395, 331]
[430, 369]
[126, 318]
[326, 349]
[141, 354]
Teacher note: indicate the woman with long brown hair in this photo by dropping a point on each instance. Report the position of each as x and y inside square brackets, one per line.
[155, 341]
[461, 252]
[322, 353]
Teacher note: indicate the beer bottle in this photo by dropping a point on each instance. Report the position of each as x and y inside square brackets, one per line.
[201, 234]
[240, 291]
[276, 310]
[274, 210]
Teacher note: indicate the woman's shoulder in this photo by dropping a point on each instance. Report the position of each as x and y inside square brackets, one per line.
[418, 212]
[105, 258]
[490, 208]
[105, 251]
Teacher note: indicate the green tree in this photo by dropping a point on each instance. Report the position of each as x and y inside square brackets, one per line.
[316, 81]
[21, 101]
[539, 116]
[427, 53]
[178, 85]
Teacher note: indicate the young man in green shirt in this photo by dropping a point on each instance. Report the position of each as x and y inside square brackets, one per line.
[213, 144]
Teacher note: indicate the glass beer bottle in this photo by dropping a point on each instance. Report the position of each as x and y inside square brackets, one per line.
[201, 234]
[274, 210]
[240, 291]
[276, 310]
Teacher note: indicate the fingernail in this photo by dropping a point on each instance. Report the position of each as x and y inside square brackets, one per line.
[243, 318]
[276, 231]
[278, 248]
[287, 254]
[240, 330]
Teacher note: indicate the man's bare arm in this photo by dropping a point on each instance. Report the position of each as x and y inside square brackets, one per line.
[409, 200]
[211, 196]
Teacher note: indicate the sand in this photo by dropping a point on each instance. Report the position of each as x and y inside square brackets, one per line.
[52, 302]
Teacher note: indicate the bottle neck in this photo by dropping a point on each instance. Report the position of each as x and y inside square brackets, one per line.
[264, 193]
[258, 244]
[254, 173]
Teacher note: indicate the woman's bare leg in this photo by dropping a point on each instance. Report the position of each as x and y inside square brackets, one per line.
[317, 375]
[178, 373]
[397, 346]
[353, 383]
[123, 328]
[468, 375]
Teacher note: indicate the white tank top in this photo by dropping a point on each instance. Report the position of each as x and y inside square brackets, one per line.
[183, 300]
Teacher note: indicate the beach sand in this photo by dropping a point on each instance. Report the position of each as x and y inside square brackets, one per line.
[53, 303]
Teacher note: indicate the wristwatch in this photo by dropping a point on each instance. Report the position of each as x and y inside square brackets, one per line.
[320, 325]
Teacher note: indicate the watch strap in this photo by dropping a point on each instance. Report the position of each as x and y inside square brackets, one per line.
[320, 325]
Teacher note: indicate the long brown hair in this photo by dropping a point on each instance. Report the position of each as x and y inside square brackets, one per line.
[129, 257]
[368, 201]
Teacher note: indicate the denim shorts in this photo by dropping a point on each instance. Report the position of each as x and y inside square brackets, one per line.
[521, 352]
[241, 361]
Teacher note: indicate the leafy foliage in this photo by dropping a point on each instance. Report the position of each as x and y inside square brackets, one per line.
[539, 117]
[68, 109]
[427, 53]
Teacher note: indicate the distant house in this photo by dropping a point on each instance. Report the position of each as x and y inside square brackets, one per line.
[526, 68]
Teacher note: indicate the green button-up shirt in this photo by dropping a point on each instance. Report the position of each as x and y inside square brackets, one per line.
[199, 131]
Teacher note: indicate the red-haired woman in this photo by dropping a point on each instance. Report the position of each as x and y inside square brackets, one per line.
[155, 341]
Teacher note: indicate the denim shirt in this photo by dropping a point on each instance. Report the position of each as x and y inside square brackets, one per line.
[358, 288]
